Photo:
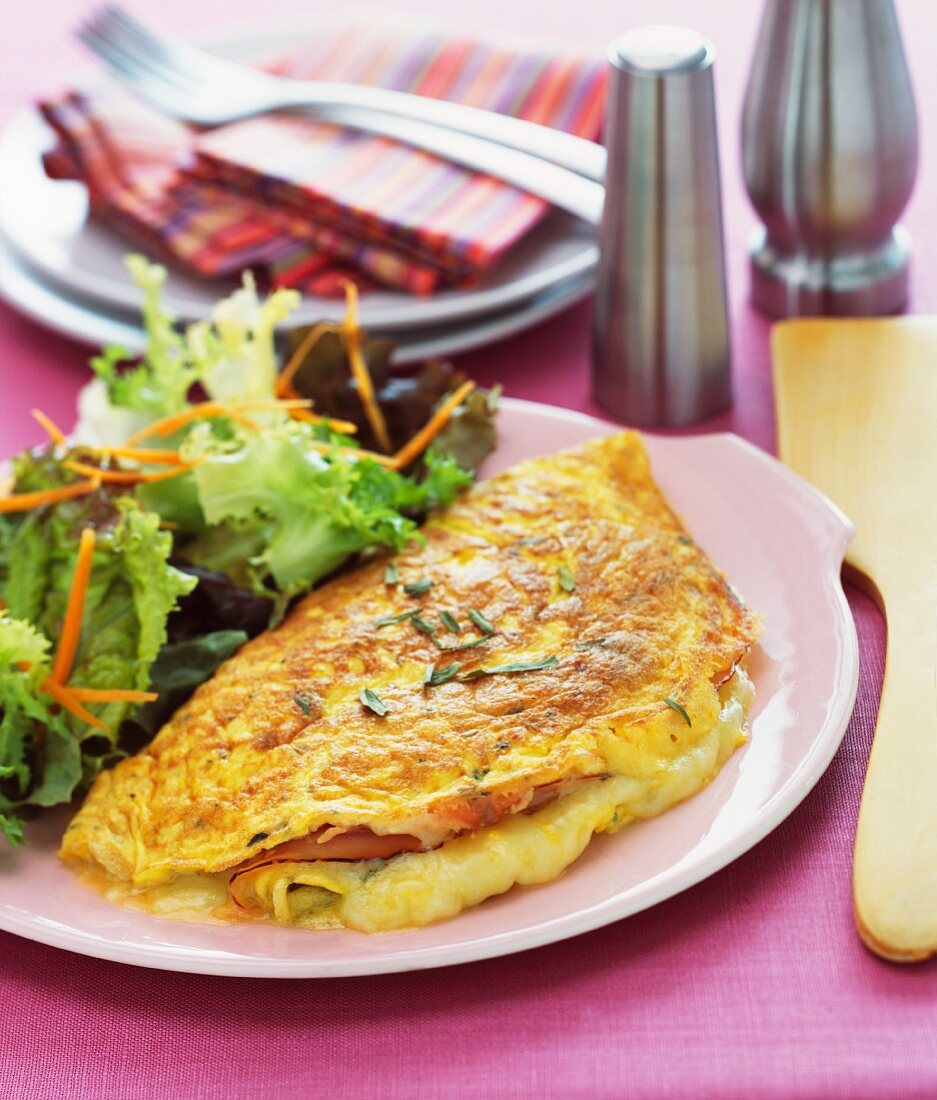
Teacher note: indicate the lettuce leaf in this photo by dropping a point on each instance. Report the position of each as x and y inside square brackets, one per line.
[178, 671]
[407, 397]
[40, 759]
[471, 434]
[132, 591]
[7, 527]
[217, 602]
[244, 324]
[234, 356]
[172, 363]
[300, 513]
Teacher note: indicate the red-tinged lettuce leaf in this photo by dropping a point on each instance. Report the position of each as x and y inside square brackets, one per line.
[471, 434]
[407, 396]
[217, 604]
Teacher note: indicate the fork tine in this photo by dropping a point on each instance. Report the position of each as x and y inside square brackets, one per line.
[114, 58]
[181, 55]
[156, 91]
[118, 22]
[100, 35]
[111, 22]
[106, 23]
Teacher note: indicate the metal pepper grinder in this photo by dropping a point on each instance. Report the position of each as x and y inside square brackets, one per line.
[829, 150]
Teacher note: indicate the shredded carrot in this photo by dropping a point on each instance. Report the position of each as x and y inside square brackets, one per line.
[131, 477]
[24, 502]
[111, 695]
[205, 410]
[65, 698]
[418, 444]
[296, 360]
[139, 454]
[351, 335]
[24, 666]
[244, 421]
[54, 432]
[344, 426]
[71, 625]
[354, 452]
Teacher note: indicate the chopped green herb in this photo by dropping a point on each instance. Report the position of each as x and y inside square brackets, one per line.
[502, 745]
[674, 705]
[304, 702]
[434, 675]
[422, 625]
[391, 573]
[566, 578]
[373, 702]
[450, 622]
[394, 619]
[684, 540]
[418, 588]
[478, 774]
[480, 621]
[518, 666]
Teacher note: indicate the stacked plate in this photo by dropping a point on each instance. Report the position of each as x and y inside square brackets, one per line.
[65, 270]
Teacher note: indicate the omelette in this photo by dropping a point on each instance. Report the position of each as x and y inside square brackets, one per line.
[555, 658]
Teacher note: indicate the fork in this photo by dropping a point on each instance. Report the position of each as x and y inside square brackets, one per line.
[190, 84]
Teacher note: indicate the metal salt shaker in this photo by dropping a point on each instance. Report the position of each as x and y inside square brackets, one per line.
[829, 149]
[660, 336]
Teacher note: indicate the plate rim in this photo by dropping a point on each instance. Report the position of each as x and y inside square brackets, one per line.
[766, 818]
[106, 326]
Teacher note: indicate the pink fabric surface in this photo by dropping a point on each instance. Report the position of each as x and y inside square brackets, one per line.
[752, 984]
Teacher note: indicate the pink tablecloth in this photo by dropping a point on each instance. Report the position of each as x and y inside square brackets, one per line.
[750, 985]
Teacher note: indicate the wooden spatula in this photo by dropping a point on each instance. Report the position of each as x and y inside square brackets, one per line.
[857, 416]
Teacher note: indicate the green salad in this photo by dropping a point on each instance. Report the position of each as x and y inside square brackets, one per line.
[205, 486]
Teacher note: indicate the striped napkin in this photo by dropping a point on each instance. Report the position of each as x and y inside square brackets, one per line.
[308, 204]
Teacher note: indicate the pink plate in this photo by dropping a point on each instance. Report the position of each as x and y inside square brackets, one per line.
[779, 541]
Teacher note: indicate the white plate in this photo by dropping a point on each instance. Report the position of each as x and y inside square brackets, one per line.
[777, 539]
[47, 223]
[28, 293]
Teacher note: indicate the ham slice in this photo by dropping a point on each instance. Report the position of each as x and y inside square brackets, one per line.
[358, 843]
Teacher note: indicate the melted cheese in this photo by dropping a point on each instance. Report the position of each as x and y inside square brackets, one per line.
[418, 888]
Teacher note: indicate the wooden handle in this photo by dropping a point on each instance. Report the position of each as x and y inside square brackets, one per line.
[895, 868]
[857, 405]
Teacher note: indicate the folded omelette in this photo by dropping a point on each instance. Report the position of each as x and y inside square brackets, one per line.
[557, 659]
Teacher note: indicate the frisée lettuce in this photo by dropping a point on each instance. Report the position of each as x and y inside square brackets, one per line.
[300, 513]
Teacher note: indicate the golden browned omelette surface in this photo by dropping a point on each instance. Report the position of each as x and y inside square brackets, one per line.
[574, 557]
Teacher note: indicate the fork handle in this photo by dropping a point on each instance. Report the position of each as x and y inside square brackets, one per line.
[329, 100]
[561, 187]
